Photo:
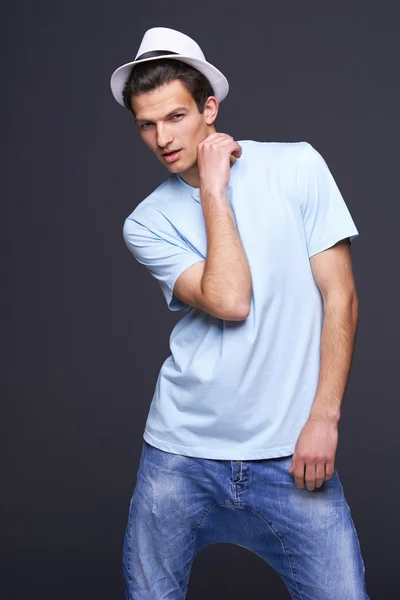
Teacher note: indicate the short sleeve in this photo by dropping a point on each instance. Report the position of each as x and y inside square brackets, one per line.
[164, 259]
[326, 217]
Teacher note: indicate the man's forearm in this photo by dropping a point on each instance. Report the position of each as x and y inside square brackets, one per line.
[227, 279]
[336, 355]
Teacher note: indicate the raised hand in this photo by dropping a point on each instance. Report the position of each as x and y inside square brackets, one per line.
[215, 156]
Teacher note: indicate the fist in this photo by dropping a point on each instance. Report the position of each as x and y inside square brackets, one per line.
[215, 156]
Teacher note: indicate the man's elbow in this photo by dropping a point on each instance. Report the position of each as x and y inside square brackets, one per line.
[236, 311]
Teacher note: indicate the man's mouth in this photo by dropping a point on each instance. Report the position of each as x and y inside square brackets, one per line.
[170, 156]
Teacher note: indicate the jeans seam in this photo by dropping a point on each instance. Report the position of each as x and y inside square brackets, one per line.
[190, 562]
[258, 515]
[283, 546]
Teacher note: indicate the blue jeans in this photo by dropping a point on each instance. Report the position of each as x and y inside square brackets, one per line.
[182, 504]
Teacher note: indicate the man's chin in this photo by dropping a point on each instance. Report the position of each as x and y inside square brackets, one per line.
[174, 168]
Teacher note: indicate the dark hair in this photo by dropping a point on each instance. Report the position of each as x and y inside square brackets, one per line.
[150, 75]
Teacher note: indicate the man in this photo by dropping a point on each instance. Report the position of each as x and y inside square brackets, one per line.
[252, 241]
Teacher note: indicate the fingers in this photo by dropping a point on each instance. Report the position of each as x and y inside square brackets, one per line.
[312, 474]
[238, 151]
[319, 474]
[329, 469]
[221, 140]
[298, 473]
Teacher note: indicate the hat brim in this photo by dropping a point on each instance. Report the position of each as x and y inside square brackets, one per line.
[218, 81]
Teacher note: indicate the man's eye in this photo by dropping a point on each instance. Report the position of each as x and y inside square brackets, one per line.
[144, 125]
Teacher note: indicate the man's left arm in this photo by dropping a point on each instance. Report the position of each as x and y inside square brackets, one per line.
[316, 446]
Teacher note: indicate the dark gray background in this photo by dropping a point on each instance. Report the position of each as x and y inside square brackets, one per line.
[86, 328]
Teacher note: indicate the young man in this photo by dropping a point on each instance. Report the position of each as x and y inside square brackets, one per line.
[252, 240]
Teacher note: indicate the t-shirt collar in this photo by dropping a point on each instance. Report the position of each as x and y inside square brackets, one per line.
[194, 191]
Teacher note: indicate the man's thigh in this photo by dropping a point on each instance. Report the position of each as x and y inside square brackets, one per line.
[320, 556]
[166, 508]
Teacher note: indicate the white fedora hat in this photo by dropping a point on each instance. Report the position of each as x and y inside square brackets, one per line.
[163, 42]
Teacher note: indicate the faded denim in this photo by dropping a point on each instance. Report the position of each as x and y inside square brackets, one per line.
[181, 504]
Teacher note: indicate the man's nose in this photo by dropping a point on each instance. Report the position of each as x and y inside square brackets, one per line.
[163, 137]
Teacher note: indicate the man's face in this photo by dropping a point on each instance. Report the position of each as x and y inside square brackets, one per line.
[168, 119]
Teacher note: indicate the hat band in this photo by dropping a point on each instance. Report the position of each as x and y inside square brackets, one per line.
[154, 53]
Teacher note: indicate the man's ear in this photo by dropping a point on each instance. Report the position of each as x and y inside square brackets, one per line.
[211, 108]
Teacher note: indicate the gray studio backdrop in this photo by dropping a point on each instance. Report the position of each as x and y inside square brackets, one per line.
[85, 328]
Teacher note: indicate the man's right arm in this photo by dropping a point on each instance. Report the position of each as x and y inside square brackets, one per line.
[221, 285]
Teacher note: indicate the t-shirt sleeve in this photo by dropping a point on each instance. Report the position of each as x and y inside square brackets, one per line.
[165, 260]
[326, 217]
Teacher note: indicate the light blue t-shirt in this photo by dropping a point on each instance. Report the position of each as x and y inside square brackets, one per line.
[243, 389]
